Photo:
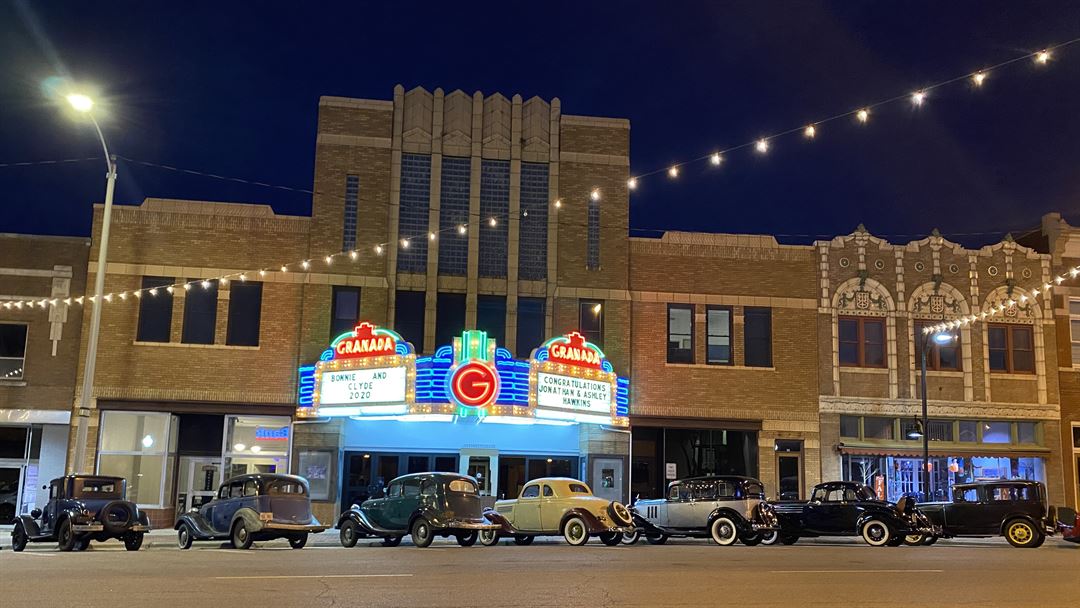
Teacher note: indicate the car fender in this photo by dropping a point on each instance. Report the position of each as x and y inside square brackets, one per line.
[29, 525]
[1024, 516]
[590, 520]
[498, 518]
[890, 520]
[735, 516]
[200, 528]
[250, 518]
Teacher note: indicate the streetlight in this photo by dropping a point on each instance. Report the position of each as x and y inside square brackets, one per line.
[83, 104]
[938, 337]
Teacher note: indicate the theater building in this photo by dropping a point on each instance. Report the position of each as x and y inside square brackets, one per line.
[992, 391]
[39, 344]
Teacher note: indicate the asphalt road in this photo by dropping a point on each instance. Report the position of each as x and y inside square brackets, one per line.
[681, 573]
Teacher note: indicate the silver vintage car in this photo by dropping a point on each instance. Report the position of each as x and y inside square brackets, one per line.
[724, 508]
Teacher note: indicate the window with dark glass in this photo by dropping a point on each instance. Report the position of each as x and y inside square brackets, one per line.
[968, 431]
[449, 318]
[409, 317]
[200, 312]
[849, 426]
[453, 214]
[155, 311]
[494, 205]
[592, 256]
[491, 317]
[1026, 432]
[878, 428]
[413, 217]
[1011, 348]
[245, 313]
[680, 332]
[12, 351]
[344, 309]
[718, 335]
[862, 341]
[757, 337]
[532, 319]
[532, 242]
[939, 357]
[591, 321]
[352, 194]
[941, 430]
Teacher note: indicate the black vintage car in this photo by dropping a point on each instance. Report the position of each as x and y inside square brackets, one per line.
[1014, 509]
[423, 505]
[247, 508]
[847, 508]
[83, 508]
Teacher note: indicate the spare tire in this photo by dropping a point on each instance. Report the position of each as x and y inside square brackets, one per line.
[619, 513]
[117, 516]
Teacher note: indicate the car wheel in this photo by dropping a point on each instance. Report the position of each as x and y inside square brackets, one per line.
[18, 538]
[930, 540]
[631, 538]
[750, 540]
[611, 539]
[724, 532]
[298, 541]
[895, 541]
[391, 541]
[523, 540]
[656, 539]
[241, 538]
[421, 533]
[915, 540]
[349, 534]
[133, 540]
[65, 538]
[789, 540]
[467, 539]
[184, 537]
[489, 538]
[1021, 533]
[876, 533]
[575, 531]
[770, 538]
[82, 544]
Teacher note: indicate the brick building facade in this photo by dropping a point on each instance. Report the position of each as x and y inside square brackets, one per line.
[39, 346]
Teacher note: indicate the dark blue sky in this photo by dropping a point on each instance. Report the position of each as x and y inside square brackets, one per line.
[234, 91]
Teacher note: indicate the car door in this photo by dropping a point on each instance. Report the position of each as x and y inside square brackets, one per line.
[962, 514]
[999, 502]
[383, 510]
[552, 508]
[226, 508]
[526, 514]
[407, 503]
[829, 512]
[48, 514]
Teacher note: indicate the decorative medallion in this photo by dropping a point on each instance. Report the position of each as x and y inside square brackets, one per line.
[879, 264]
[862, 300]
[953, 268]
[992, 271]
[1026, 273]
[844, 262]
[919, 266]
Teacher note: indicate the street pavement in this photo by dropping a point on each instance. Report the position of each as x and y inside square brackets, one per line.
[833, 572]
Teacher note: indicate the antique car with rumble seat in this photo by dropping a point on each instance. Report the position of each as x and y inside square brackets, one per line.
[848, 508]
[727, 509]
[558, 506]
[422, 505]
[1016, 509]
[81, 509]
[252, 507]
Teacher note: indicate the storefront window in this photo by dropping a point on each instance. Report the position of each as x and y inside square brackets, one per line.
[256, 444]
[134, 445]
[996, 432]
[877, 428]
[892, 477]
[315, 467]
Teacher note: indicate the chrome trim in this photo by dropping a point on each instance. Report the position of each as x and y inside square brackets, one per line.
[87, 527]
[468, 525]
[294, 527]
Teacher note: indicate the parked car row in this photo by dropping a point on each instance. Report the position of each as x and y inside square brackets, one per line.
[424, 506]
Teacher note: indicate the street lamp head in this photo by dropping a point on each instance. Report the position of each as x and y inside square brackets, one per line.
[944, 337]
[80, 102]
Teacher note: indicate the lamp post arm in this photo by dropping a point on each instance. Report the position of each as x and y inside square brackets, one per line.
[104, 146]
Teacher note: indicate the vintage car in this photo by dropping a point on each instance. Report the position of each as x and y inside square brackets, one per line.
[422, 505]
[1068, 523]
[83, 508]
[847, 508]
[558, 506]
[1014, 509]
[725, 508]
[247, 508]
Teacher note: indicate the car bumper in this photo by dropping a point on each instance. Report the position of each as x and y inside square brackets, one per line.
[283, 527]
[87, 527]
[471, 525]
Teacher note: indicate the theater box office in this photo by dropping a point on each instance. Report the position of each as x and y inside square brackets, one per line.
[372, 409]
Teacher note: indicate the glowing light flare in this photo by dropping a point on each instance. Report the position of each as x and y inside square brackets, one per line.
[673, 172]
[863, 115]
[762, 146]
[1042, 57]
[716, 159]
[978, 78]
[630, 183]
[810, 132]
[80, 102]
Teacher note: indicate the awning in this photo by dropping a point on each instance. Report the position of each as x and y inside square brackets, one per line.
[939, 453]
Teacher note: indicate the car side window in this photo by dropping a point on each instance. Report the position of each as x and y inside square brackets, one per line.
[251, 488]
[548, 492]
[427, 488]
[819, 495]
[410, 488]
[849, 495]
[968, 495]
[1003, 493]
[223, 492]
[836, 495]
[54, 491]
[532, 491]
[394, 491]
[236, 489]
[673, 493]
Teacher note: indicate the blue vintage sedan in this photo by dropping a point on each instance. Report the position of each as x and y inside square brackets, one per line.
[247, 508]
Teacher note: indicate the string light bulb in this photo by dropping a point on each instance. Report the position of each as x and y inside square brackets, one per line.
[558, 203]
[329, 259]
[595, 194]
[461, 229]
[493, 223]
[353, 254]
[762, 146]
[404, 243]
[978, 78]
[1042, 57]
[431, 236]
[187, 286]
[918, 97]
[137, 294]
[262, 273]
[170, 289]
[284, 268]
[153, 291]
[863, 115]
[305, 264]
[673, 171]
[716, 159]
[631, 183]
[810, 132]
[378, 249]
[205, 284]
[243, 277]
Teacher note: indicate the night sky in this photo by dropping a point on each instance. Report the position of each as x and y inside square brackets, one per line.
[234, 91]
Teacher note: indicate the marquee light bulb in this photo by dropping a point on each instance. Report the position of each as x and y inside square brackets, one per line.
[716, 159]
[761, 145]
[978, 78]
[631, 183]
[863, 115]
[1042, 57]
[810, 131]
[673, 172]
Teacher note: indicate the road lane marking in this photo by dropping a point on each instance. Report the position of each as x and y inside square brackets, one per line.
[232, 578]
[846, 571]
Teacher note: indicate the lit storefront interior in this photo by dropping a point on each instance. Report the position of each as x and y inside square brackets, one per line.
[469, 408]
[661, 454]
[31, 454]
[886, 453]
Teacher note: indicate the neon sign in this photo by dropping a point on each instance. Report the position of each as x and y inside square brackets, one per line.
[473, 382]
[572, 349]
[263, 433]
[365, 340]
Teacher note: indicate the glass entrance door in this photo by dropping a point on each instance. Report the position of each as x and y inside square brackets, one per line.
[10, 484]
[199, 478]
[607, 478]
[483, 465]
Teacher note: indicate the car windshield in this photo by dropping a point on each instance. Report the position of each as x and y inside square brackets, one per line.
[286, 488]
[98, 488]
[462, 485]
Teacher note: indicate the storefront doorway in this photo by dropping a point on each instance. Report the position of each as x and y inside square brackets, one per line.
[10, 486]
[789, 469]
[607, 477]
[199, 478]
[663, 454]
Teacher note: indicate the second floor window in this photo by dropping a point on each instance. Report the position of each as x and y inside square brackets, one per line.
[680, 332]
[1011, 348]
[155, 310]
[718, 339]
[245, 313]
[591, 321]
[530, 325]
[12, 350]
[939, 357]
[757, 337]
[862, 341]
[1074, 328]
[344, 309]
[200, 312]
